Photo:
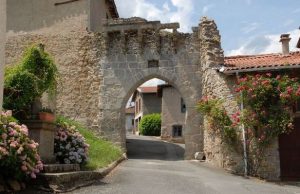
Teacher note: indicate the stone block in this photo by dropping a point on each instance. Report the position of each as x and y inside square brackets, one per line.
[43, 133]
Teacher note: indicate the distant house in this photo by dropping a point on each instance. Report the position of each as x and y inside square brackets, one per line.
[129, 119]
[146, 102]
[173, 113]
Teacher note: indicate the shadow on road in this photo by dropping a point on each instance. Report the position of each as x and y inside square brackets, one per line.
[145, 148]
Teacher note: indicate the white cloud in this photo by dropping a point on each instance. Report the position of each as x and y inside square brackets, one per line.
[296, 11]
[250, 27]
[144, 8]
[206, 8]
[265, 44]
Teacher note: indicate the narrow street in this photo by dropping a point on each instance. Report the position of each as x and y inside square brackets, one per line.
[157, 167]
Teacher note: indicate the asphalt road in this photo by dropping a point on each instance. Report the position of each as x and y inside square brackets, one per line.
[156, 167]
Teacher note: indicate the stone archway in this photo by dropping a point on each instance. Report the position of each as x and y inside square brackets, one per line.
[138, 52]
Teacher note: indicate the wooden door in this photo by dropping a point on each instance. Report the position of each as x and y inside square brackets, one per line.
[289, 148]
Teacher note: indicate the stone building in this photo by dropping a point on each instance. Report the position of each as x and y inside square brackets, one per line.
[173, 110]
[129, 126]
[102, 59]
[282, 156]
[146, 102]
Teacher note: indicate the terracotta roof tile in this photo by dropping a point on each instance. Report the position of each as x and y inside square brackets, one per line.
[150, 89]
[130, 110]
[260, 62]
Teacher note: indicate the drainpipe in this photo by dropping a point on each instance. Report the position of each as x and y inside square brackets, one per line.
[244, 135]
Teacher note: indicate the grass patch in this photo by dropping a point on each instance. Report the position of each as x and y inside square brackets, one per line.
[101, 152]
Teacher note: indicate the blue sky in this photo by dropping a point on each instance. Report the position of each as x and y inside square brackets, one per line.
[246, 26]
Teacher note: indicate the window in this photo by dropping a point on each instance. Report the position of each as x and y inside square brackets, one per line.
[177, 130]
[183, 106]
[132, 122]
[153, 64]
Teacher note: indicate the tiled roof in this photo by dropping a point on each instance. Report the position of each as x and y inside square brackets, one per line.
[261, 62]
[150, 89]
[130, 110]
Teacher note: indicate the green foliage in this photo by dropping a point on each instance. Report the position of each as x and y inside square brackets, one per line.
[101, 152]
[217, 117]
[34, 75]
[150, 125]
[19, 158]
[268, 102]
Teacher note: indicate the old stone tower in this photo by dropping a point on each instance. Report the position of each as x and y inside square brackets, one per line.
[102, 59]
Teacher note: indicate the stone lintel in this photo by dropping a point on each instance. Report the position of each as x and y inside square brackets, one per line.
[140, 26]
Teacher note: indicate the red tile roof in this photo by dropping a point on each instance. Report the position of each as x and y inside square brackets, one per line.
[261, 62]
[130, 110]
[150, 89]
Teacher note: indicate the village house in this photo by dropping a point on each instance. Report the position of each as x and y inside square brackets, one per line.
[281, 159]
[173, 112]
[146, 102]
[129, 119]
[102, 59]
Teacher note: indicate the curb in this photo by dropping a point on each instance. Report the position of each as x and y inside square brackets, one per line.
[67, 182]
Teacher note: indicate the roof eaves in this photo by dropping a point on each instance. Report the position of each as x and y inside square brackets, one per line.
[255, 69]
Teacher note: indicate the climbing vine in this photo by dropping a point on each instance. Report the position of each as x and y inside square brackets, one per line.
[218, 118]
[268, 102]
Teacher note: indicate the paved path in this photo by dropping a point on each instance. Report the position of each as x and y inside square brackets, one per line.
[156, 167]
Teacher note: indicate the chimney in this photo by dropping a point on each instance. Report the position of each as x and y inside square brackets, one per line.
[285, 40]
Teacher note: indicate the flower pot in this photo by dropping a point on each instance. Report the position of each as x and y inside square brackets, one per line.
[47, 117]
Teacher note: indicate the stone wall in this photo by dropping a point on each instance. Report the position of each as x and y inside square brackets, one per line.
[30, 15]
[171, 114]
[151, 104]
[132, 44]
[216, 84]
[216, 150]
[77, 54]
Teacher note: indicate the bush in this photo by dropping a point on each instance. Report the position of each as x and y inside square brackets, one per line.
[69, 145]
[19, 156]
[150, 125]
[101, 152]
[28, 80]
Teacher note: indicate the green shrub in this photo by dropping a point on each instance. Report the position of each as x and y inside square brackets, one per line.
[101, 152]
[35, 74]
[150, 125]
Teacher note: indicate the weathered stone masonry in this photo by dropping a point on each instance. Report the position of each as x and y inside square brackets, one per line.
[132, 45]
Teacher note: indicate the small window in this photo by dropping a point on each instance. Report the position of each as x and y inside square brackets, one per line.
[153, 64]
[177, 130]
[132, 122]
[183, 106]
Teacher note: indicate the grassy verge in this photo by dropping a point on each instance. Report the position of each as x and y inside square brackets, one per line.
[101, 152]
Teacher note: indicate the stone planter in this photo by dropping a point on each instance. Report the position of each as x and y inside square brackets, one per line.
[43, 133]
[47, 117]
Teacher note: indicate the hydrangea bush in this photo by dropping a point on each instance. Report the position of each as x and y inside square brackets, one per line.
[70, 146]
[19, 156]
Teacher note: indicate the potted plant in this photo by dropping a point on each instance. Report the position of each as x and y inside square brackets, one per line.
[46, 114]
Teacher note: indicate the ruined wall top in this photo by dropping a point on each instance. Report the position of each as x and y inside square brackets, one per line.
[136, 23]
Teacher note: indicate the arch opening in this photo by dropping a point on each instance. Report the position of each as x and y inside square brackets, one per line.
[155, 95]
